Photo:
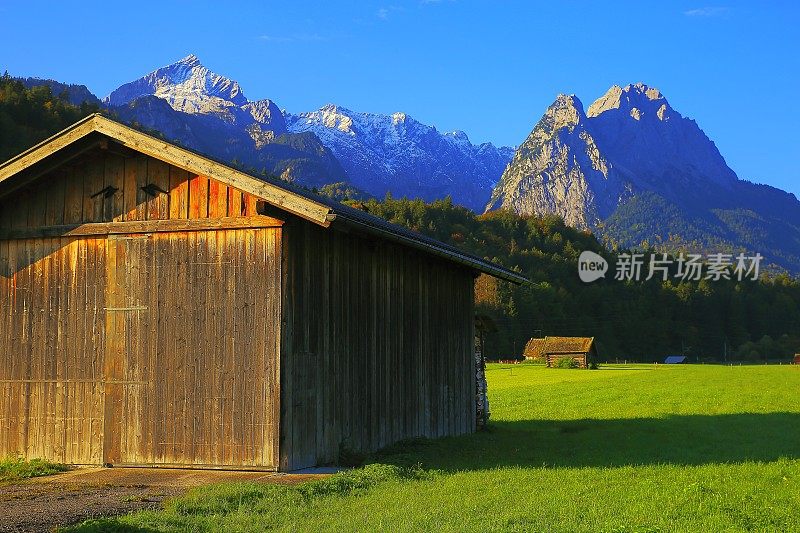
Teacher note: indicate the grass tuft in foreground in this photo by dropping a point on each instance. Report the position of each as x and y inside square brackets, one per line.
[253, 506]
[16, 468]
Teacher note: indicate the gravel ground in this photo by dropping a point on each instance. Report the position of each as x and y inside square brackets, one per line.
[42, 504]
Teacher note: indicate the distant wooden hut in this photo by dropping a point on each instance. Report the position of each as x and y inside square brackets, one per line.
[161, 308]
[552, 349]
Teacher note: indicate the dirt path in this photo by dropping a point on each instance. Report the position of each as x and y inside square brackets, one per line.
[41, 504]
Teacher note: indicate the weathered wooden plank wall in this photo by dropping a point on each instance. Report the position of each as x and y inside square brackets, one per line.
[196, 318]
[378, 346]
[52, 342]
[146, 348]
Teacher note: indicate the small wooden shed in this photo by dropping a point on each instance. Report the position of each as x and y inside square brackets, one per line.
[551, 349]
[160, 308]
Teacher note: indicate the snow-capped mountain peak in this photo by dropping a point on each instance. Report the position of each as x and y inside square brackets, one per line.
[186, 85]
[191, 60]
[458, 137]
[334, 117]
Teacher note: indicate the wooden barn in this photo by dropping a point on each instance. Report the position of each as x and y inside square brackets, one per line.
[551, 349]
[160, 308]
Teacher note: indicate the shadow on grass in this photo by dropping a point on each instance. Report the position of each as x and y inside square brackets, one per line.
[676, 439]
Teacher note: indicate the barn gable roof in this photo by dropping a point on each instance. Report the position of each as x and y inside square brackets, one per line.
[287, 197]
[539, 347]
[567, 345]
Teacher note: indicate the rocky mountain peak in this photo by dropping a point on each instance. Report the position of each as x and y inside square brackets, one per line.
[632, 168]
[191, 61]
[634, 101]
[266, 113]
[565, 112]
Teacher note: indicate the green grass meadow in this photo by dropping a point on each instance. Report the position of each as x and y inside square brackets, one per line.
[637, 448]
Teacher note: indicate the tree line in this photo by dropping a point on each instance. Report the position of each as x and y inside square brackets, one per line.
[28, 116]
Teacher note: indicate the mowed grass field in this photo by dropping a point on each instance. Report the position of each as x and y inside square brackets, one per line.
[623, 449]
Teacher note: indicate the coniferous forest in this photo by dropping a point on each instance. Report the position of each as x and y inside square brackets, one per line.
[28, 116]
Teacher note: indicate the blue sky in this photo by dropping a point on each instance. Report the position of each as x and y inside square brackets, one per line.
[487, 68]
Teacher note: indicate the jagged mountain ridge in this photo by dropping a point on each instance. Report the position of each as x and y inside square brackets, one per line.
[634, 169]
[398, 154]
[371, 152]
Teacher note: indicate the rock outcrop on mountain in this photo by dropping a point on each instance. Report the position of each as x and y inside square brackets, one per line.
[634, 169]
[558, 169]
